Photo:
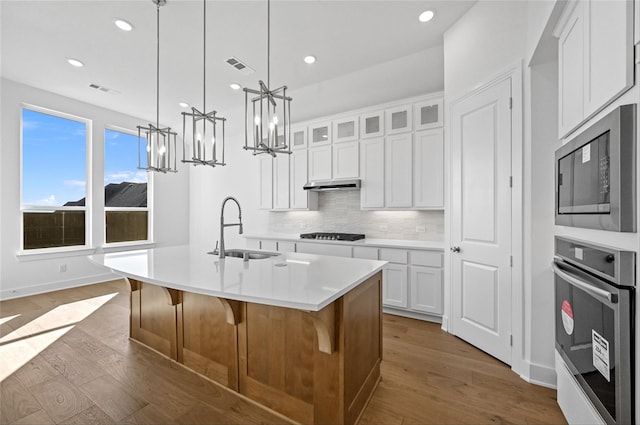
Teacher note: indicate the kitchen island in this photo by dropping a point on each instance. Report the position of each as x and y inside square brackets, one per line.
[297, 333]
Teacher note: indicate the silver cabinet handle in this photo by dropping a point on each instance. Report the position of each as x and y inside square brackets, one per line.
[455, 249]
[586, 287]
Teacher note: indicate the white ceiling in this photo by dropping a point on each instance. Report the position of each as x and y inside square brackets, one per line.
[38, 36]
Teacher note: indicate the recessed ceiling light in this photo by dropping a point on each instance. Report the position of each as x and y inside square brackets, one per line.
[310, 59]
[75, 62]
[183, 104]
[123, 25]
[426, 16]
[235, 86]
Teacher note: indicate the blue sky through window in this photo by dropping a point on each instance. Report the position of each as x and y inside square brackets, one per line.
[121, 158]
[53, 159]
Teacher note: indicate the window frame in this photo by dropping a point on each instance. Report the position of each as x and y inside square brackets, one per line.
[88, 240]
[148, 208]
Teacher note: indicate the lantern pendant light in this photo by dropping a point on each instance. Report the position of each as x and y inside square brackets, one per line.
[160, 143]
[205, 142]
[267, 112]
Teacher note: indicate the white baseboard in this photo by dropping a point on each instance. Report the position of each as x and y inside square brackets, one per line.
[412, 315]
[445, 323]
[544, 376]
[55, 286]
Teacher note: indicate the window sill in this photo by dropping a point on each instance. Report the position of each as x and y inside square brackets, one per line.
[127, 246]
[49, 253]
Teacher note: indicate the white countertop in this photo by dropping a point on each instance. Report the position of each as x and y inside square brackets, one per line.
[379, 243]
[301, 281]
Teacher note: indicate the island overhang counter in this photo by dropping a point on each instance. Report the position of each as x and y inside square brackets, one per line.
[297, 333]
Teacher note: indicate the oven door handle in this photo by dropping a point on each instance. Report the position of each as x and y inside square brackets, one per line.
[612, 298]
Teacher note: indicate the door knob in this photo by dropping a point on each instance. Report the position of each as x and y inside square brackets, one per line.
[455, 249]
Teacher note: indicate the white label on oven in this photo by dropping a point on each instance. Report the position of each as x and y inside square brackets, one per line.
[567, 317]
[578, 253]
[601, 354]
[586, 153]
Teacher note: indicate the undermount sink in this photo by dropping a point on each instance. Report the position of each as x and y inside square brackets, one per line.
[246, 254]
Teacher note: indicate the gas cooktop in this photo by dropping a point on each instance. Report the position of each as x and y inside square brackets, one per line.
[333, 236]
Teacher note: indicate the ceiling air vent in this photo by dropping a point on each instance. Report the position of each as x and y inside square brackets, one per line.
[103, 89]
[242, 67]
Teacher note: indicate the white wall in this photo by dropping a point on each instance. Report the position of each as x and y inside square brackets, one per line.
[28, 275]
[408, 76]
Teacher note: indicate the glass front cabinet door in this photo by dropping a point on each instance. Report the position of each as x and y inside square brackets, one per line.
[428, 114]
[298, 138]
[372, 125]
[398, 120]
[345, 129]
[320, 134]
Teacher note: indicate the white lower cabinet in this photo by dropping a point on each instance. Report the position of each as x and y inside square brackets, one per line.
[394, 285]
[412, 282]
[426, 289]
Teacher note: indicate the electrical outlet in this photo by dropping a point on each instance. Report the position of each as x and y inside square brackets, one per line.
[384, 228]
[421, 229]
[62, 268]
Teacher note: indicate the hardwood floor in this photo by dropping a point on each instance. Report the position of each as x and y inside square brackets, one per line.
[67, 359]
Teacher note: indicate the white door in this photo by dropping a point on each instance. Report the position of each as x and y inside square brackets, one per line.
[481, 220]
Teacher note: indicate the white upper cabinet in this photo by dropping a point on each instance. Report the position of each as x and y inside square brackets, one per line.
[346, 160]
[398, 175]
[372, 124]
[428, 114]
[281, 182]
[300, 199]
[265, 171]
[428, 169]
[595, 58]
[398, 120]
[372, 173]
[320, 134]
[320, 163]
[345, 130]
[298, 138]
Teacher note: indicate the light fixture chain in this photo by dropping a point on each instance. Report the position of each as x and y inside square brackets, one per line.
[204, 58]
[268, 43]
[158, 65]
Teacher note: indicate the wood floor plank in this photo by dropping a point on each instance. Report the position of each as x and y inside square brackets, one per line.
[38, 418]
[60, 399]
[428, 376]
[16, 401]
[91, 416]
[36, 371]
[71, 364]
[112, 397]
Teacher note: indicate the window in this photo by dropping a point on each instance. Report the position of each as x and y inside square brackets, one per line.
[54, 179]
[125, 189]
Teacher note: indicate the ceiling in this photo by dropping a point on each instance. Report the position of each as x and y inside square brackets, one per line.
[37, 38]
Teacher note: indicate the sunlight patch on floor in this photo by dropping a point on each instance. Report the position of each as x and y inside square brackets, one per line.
[20, 346]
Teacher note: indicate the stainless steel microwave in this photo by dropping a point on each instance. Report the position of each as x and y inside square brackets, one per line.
[596, 175]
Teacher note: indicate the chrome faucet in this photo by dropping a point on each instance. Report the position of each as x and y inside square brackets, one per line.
[223, 225]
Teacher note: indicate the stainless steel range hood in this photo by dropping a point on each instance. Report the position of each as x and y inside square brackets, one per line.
[326, 185]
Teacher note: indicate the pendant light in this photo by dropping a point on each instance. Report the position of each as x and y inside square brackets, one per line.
[205, 143]
[267, 113]
[160, 143]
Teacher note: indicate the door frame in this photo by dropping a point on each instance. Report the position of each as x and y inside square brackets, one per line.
[518, 308]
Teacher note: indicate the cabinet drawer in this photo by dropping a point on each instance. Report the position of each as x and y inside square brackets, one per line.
[366, 252]
[284, 246]
[426, 258]
[269, 245]
[394, 255]
[324, 249]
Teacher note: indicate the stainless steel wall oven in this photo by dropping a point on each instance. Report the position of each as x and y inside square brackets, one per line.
[594, 315]
[596, 175]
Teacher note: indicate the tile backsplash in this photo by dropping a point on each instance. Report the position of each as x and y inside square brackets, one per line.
[340, 211]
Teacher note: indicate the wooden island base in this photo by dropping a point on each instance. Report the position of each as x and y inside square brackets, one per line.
[313, 367]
